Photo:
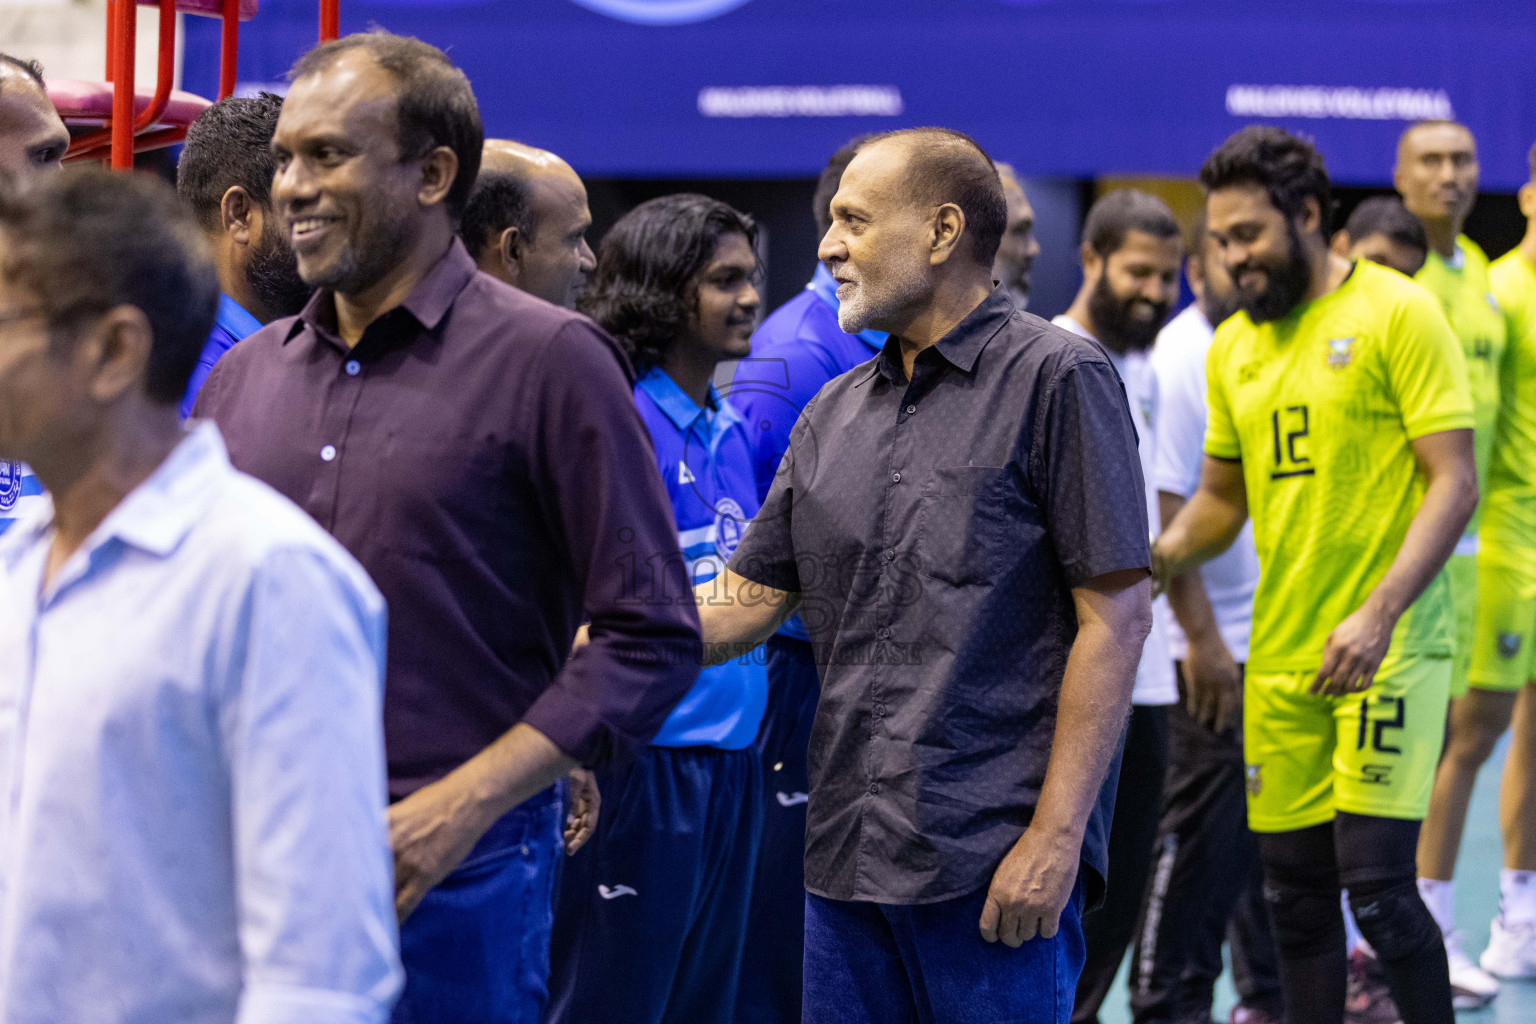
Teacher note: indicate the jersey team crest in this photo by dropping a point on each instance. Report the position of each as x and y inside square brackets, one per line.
[10, 485]
[1509, 645]
[730, 523]
[1340, 350]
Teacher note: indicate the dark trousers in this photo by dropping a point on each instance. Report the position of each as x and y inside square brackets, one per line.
[875, 963]
[652, 913]
[1207, 884]
[1132, 832]
[769, 992]
[477, 948]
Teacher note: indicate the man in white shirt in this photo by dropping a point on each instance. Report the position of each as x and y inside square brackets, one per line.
[191, 753]
[1131, 252]
[1208, 872]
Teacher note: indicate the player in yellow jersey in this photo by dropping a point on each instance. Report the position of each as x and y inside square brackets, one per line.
[1340, 418]
[1505, 634]
[1437, 176]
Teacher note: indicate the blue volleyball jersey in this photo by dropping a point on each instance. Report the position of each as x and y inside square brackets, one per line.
[705, 460]
[19, 491]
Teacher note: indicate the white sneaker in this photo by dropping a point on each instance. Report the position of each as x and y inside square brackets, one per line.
[1511, 951]
[1472, 988]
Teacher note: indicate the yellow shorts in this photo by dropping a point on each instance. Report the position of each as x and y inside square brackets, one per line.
[1505, 632]
[1461, 574]
[1366, 753]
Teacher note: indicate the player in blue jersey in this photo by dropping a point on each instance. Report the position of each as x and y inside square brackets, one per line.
[32, 142]
[652, 916]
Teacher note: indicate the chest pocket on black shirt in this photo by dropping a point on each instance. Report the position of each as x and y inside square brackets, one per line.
[963, 524]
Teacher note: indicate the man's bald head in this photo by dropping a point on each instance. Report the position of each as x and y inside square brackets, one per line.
[32, 136]
[526, 221]
[942, 166]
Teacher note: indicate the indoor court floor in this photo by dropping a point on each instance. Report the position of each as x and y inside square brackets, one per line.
[1477, 900]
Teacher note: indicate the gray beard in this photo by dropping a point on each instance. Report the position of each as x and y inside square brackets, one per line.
[863, 311]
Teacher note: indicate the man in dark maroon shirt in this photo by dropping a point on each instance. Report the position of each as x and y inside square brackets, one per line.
[477, 450]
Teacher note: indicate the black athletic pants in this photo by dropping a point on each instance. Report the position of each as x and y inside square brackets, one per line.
[1207, 884]
[1132, 831]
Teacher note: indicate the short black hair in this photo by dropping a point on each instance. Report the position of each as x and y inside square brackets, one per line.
[86, 240]
[641, 292]
[947, 166]
[1289, 169]
[435, 105]
[32, 68]
[1118, 213]
[831, 177]
[229, 144]
[499, 200]
[1386, 215]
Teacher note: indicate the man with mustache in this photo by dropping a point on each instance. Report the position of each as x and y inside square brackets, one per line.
[1341, 417]
[962, 522]
[479, 452]
[1131, 252]
[1207, 885]
[225, 175]
[1437, 176]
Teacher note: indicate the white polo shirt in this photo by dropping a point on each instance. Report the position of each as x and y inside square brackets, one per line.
[1178, 359]
[1155, 682]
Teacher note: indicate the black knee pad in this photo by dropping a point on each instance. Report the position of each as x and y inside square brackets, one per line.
[1304, 906]
[1392, 916]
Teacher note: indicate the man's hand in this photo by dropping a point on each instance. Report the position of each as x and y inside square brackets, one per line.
[1164, 568]
[1354, 652]
[1031, 888]
[586, 801]
[1213, 684]
[431, 834]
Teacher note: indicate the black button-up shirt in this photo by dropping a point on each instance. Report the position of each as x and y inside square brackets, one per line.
[934, 529]
[479, 453]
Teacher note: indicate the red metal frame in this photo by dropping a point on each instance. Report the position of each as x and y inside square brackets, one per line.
[124, 134]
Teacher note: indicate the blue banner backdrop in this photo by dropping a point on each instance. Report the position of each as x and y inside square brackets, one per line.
[767, 88]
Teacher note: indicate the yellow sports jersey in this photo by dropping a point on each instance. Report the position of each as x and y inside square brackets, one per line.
[1466, 294]
[1320, 406]
[1509, 495]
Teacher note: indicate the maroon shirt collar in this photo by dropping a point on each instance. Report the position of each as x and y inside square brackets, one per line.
[428, 302]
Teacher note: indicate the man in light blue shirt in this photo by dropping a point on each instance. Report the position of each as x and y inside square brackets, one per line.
[191, 671]
[652, 916]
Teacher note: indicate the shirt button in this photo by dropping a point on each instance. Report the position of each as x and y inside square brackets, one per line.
[353, 367]
[879, 710]
[890, 555]
[911, 409]
[328, 453]
[883, 633]
[874, 789]
[895, 478]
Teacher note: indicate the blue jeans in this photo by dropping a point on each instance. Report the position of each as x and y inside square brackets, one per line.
[476, 951]
[873, 963]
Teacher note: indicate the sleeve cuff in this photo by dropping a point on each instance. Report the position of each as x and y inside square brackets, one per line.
[293, 1004]
[577, 729]
[1439, 424]
[1085, 569]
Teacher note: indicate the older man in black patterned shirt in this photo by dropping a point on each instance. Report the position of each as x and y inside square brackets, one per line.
[962, 525]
